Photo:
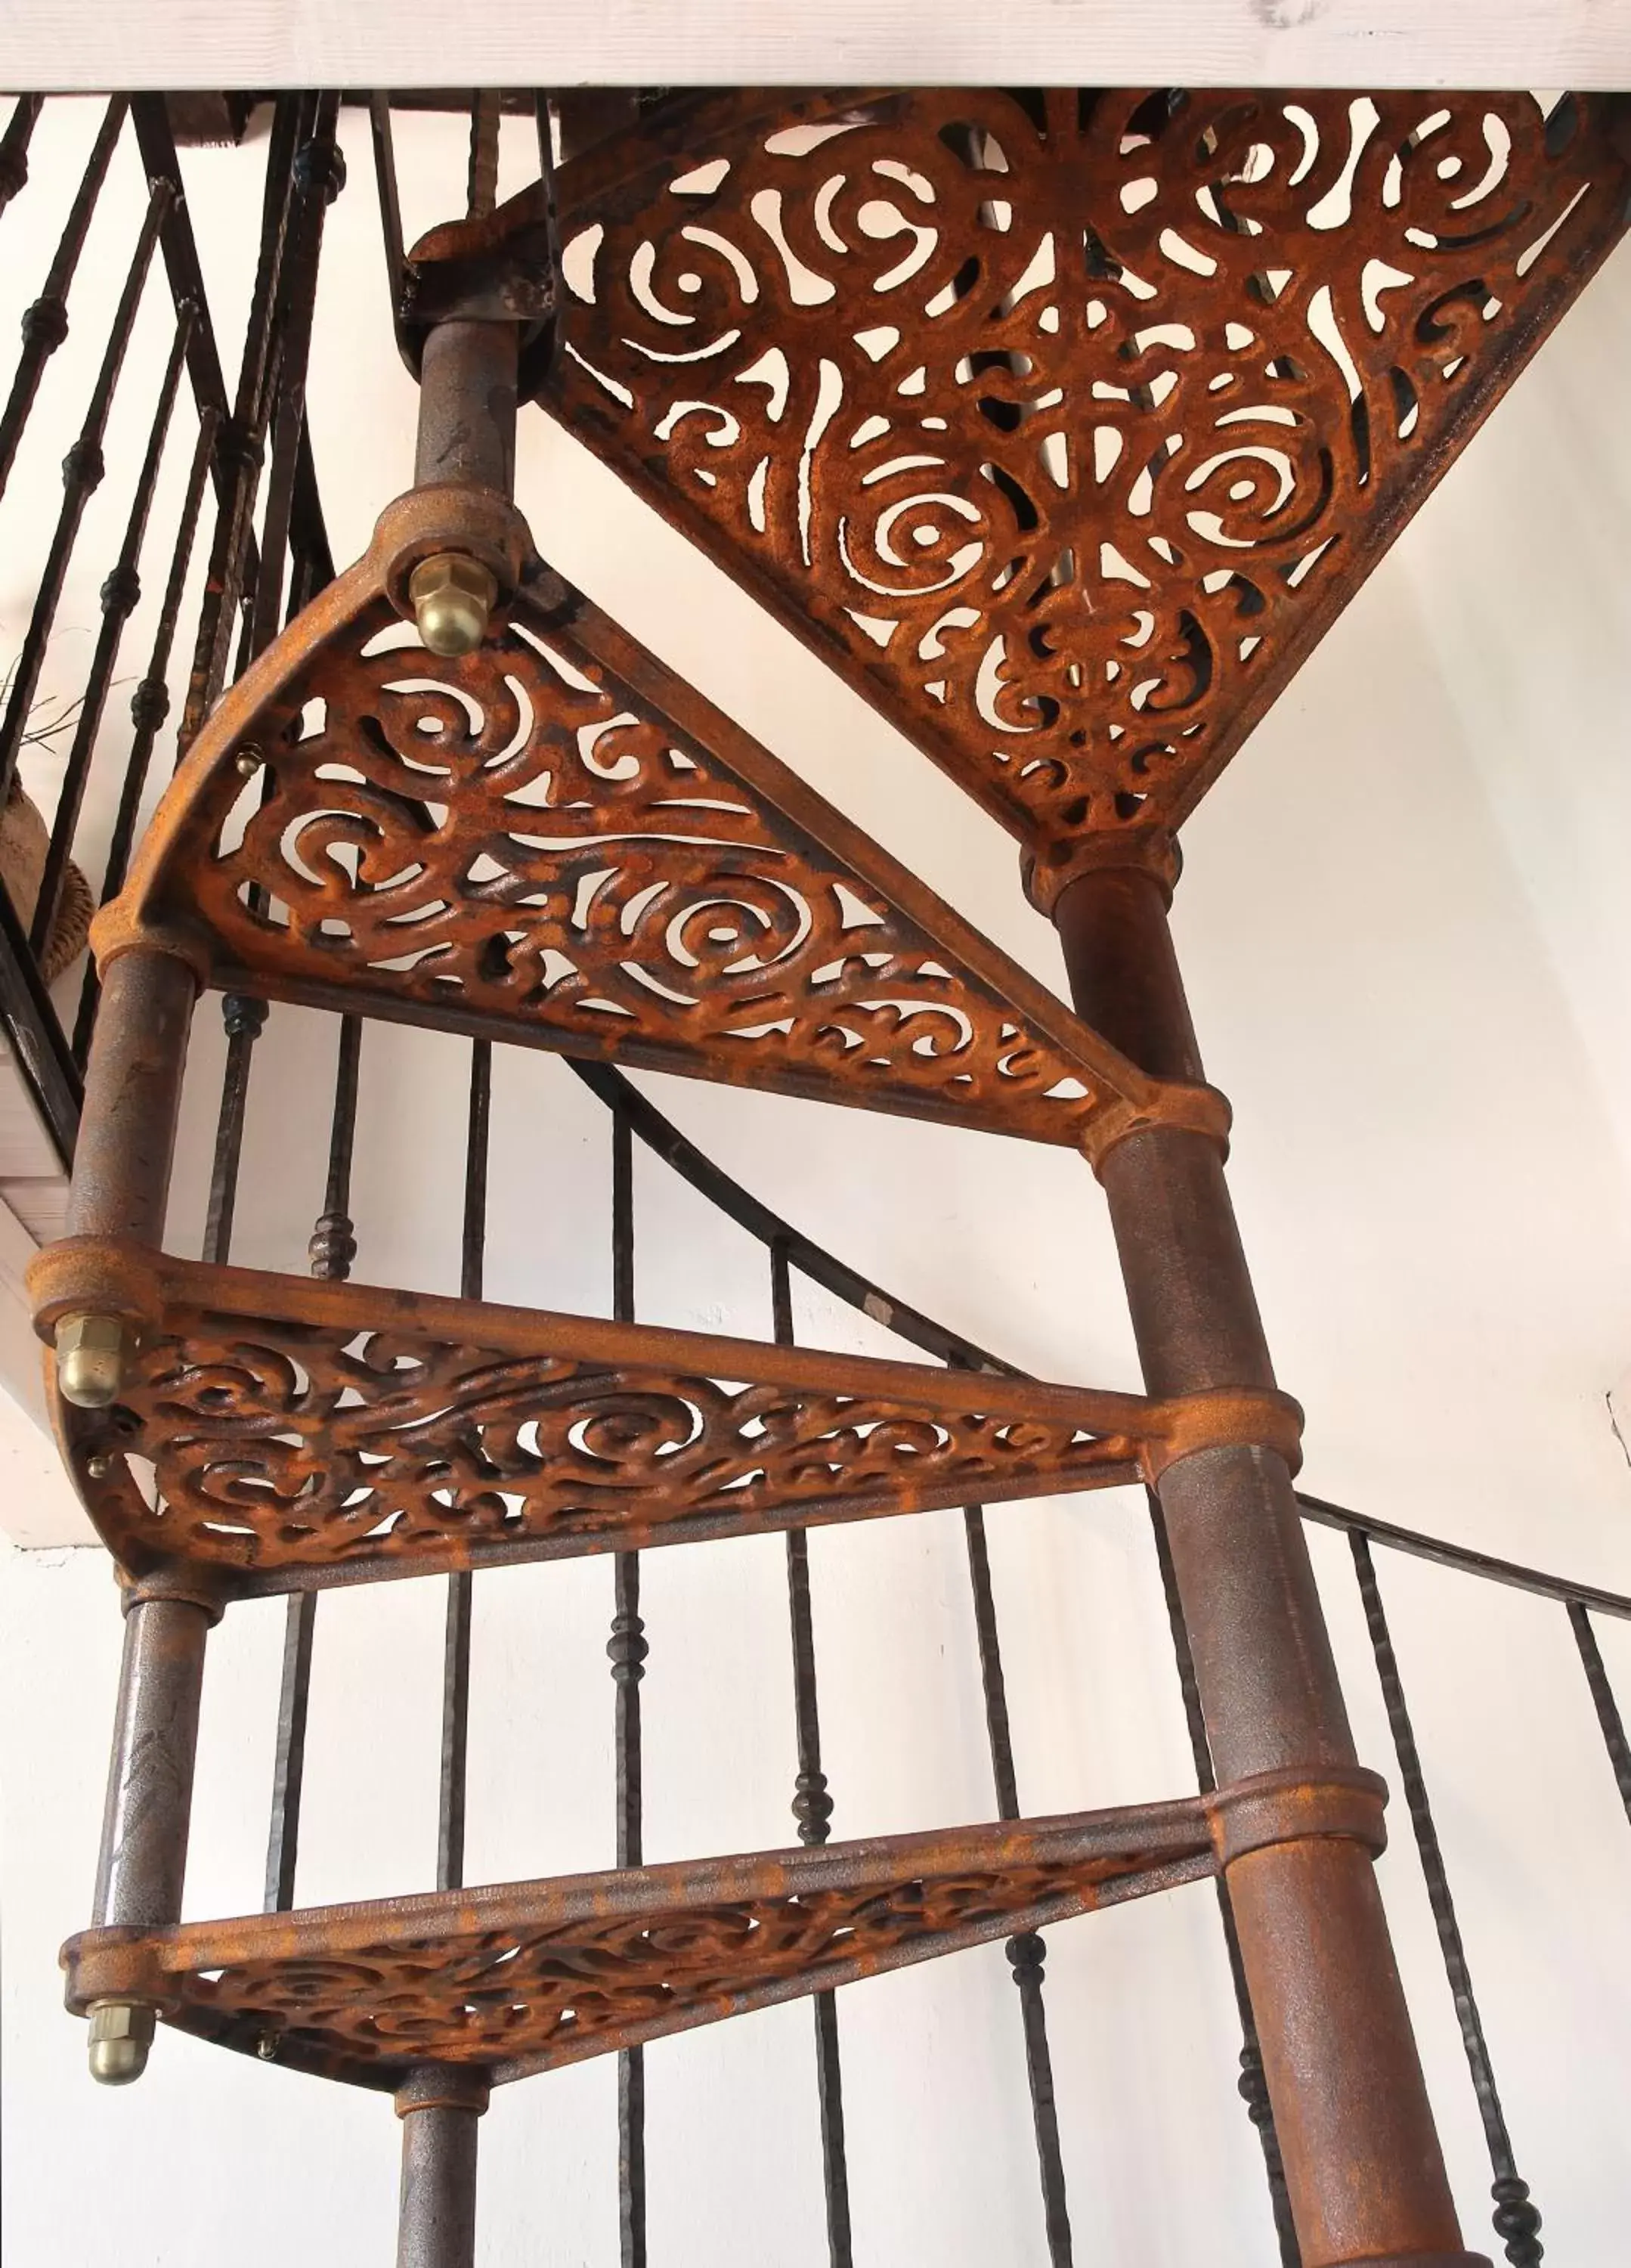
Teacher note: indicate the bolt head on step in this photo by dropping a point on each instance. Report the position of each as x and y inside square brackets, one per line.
[92, 1353]
[453, 597]
[122, 2032]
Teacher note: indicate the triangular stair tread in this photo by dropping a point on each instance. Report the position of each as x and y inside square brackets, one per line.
[278, 1432]
[524, 1977]
[555, 840]
[1065, 423]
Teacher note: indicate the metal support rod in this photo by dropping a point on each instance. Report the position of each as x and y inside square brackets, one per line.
[467, 380]
[45, 324]
[333, 1245]
[83, 468]
[149, 705]
[20, 129]
[627, 1650]
[436, 2227]
[1251, 2084]
[450, 1861]
[1603, 1700]
[813, 1809]
[1026, 1953]
[121, 594]
[142, 1863]
[1517, 2222]
[282, 1842]
[1361, 2158]
[133, 1092]
[242, 441]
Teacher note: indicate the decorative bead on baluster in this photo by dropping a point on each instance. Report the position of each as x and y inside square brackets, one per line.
[320, 166]
[1254, 2088]
[150, 704]
[1517, 2222]
[45, 325]
[627, 1649]
[333, 1246]
[242, 1017]
[1026, 1955]
[812, 1806]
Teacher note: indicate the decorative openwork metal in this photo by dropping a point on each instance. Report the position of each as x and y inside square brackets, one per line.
[1062, 424]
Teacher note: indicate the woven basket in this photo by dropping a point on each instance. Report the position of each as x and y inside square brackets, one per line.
[24, 839]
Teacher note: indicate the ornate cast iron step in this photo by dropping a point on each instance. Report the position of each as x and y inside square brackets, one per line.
[274, 1432]
[552, 839]
[524, 1977]
[1064, 424]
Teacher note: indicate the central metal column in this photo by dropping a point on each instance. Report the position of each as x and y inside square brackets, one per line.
[438, 2109]
[1361, 2158]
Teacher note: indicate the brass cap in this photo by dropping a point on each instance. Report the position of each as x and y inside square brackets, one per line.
[122, 2032]
[453, 597]
[92, 1353]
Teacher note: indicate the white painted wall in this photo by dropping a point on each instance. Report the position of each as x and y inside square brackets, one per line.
[1406, 942]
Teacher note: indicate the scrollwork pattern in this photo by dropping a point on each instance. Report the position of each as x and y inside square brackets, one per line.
[521, 836]
[542, 1992]
[1064, 420]
[275, 1443]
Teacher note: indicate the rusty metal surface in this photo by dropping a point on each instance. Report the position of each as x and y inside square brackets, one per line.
[554, 839]
[1363, 2165]
[525, 1977]
[1064, 424]
[291, 1426]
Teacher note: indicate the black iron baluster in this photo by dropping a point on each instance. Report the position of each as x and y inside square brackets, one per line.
[288, 1768]
[149, 705]
[627, 1650]
[390, 213]
[83, 468]
[241, 441]
[813, 1809]
[45, 324]
[244, 1019]
[332, 1249]
[450, 1860]
[1517, 2222]
[1608, 1708]
[482, 188]
[121, 594]
[1252, 2083]
[20, 129]
[319, 176]
[286, 281]
[1026, 1953]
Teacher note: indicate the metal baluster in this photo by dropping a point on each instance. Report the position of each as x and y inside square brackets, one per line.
[1025, 1953]
[149, 705]
[627, 1650]
[83, 468]
[288, 283]
[45, 324]
[482, 190]
[450, 1861]
[121, 594]
[813, 1809]
[242, 435]
[390, 212]
[288, 1767]
[1252, 2083]
[332, 1249]
[1608, 1708]
[1517, 2222]
[20, 129]
[319, 176]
